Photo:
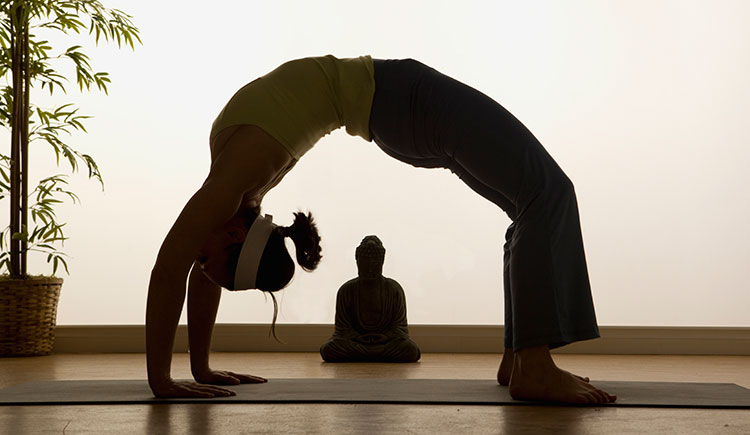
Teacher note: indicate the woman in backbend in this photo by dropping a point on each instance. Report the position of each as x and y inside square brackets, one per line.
[416, 115]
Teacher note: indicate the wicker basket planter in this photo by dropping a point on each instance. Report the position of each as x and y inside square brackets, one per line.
[28, 314]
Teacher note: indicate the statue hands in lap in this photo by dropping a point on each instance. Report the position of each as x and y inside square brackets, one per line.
[370, 314]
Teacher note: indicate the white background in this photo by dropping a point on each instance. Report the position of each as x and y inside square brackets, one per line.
[644, 104]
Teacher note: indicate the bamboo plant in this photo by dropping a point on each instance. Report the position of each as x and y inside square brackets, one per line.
[28, 62]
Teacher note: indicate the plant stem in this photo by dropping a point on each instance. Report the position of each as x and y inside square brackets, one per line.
[15, 167]
[25, 147]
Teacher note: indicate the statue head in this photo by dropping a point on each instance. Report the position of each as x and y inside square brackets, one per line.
[370, 256]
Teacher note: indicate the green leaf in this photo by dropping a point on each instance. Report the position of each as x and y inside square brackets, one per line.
[52, 125]
[34, 234]
[65, 265]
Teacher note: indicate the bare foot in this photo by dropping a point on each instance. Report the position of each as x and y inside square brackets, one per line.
[586, 379]
[536, 377]
[506, 369]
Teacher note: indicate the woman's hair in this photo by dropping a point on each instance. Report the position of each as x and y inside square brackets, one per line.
[276, 267]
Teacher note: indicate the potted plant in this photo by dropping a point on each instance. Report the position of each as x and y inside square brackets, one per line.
[28, 304]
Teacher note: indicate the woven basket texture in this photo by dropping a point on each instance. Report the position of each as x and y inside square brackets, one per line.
[28, 313]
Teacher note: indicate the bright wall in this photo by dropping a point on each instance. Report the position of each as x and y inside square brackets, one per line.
[643, 103]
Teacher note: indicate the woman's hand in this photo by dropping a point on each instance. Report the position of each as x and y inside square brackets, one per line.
[188, 389]
[220, 377]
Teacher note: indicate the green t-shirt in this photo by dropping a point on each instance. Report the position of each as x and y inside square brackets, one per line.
[305, 99]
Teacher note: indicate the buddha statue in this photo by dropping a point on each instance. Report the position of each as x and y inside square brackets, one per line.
[370, 314]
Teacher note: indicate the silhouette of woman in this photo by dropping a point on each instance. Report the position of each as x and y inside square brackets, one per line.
[418, 116]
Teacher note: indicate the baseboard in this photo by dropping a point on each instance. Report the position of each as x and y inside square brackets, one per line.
[638, 340]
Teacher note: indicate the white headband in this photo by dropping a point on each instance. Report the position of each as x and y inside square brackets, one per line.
[252, 251]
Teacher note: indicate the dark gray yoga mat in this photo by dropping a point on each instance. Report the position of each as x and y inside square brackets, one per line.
[427, 391]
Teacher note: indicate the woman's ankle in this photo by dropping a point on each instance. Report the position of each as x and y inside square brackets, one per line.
[535, 356]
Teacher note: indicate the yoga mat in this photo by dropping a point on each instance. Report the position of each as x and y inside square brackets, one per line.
[424, 391]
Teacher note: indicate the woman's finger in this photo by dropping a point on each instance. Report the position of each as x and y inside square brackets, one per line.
[228, 378]
[216, 391]
[187, 391]
[218, 378]
[249, 379]
[199, 393]
[207, 390]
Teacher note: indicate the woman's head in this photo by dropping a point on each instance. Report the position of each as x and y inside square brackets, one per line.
[220, 254]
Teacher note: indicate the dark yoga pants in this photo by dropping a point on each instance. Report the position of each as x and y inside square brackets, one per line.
[429, 120]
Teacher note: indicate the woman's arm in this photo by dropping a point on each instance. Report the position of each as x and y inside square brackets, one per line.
[203, 303]
[207, 209]
[248, 162]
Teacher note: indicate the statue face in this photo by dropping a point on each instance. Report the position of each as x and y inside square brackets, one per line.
[370, 255]
[369, 267]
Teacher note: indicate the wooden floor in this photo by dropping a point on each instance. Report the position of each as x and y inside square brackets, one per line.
[372, 419]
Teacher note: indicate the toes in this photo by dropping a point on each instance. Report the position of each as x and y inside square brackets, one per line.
[597, 395]
[590, 398]
[606, 397]
[582, 399]
[602, 396]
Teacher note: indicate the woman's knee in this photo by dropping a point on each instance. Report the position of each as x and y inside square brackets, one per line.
[565, 185]
[556, 183]
[547, 194]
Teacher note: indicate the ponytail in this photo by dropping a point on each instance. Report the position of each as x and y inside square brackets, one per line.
[276, 267]
[304, 234]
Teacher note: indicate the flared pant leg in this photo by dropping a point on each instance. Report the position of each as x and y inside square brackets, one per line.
[546, 282]
[546, 288]
[427, 119]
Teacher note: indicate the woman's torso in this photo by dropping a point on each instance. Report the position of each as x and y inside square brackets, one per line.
[303, 100]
